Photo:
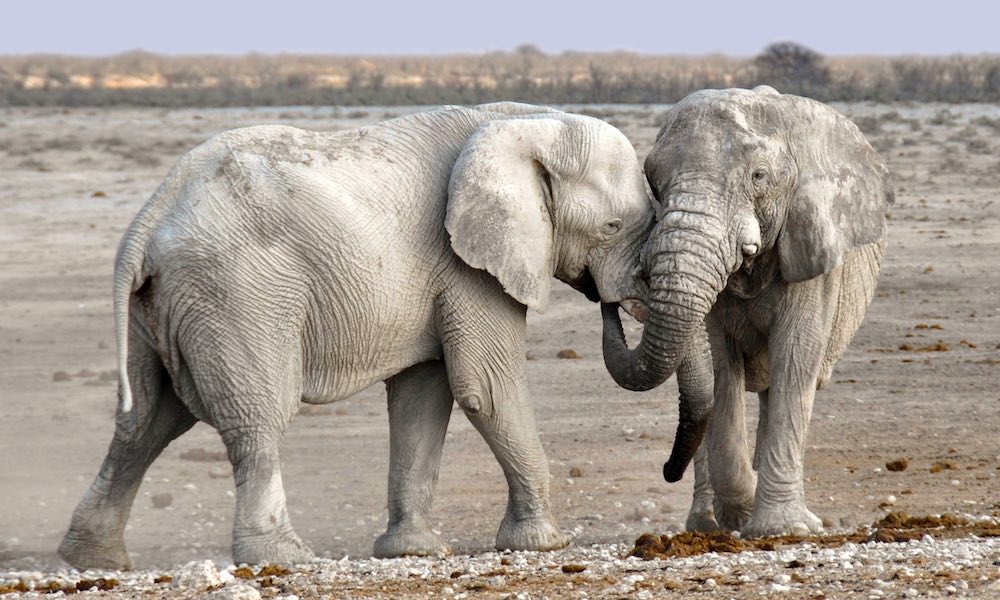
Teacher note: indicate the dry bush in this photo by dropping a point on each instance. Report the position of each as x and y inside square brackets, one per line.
[527, 74]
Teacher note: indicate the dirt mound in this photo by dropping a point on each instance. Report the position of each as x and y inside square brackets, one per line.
[688, 543]
[895, 527]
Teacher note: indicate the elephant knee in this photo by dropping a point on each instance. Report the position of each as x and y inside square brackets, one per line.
[470, 403]
[473, 397]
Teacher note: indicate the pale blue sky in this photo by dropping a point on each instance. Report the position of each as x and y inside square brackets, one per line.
[97, 27]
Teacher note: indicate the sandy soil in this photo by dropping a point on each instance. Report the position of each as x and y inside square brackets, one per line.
[921, 380]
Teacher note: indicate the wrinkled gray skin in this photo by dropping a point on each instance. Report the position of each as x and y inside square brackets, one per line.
[771, 234]
[276, 266]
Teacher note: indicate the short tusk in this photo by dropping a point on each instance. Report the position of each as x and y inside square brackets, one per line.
[636, 308]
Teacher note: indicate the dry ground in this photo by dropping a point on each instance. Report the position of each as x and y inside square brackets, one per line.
[921, 380]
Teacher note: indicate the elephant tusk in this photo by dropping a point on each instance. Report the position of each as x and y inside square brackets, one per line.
[636, 308]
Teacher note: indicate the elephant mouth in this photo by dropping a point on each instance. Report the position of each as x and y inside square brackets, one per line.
[586, 285]
[635, 307]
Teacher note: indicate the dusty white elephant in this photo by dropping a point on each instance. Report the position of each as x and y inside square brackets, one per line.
[275, 266]
[771, 232]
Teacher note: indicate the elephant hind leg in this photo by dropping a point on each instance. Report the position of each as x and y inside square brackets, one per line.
[420, 403]
[249, 400]
[262, 529]
[96, 535]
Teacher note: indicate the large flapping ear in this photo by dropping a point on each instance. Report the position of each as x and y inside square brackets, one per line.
[842, 193]
[499, 205]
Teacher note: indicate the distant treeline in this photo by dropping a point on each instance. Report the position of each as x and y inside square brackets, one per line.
[526, 74]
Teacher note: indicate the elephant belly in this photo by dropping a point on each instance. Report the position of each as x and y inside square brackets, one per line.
[342, 356]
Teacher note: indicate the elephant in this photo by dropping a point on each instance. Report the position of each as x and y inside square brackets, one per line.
[275, 266]
[762, 264]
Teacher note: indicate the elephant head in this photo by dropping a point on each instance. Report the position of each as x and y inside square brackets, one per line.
[550, 194]
[746, 180]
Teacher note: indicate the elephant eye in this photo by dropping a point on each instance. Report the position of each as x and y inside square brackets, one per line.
[759, 175]
[612, 227]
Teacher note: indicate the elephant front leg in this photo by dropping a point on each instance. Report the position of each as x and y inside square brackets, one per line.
[701, 517]
[729, 465]
[779, 505]
[420, 403]
[758, 449]
[508, 426]
[696, 385]
[496, 402]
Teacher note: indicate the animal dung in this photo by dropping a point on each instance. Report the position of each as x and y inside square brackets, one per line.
[568, 353]
[943, 465]
[897, 465]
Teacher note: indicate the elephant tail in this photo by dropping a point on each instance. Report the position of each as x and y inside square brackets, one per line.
[128, 278]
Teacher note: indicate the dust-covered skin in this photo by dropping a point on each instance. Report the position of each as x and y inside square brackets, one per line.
[275, 266]
[771, 233]
[937, 284]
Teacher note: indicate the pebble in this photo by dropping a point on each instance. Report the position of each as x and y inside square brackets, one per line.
[239, 591]
[609, 572]
[162, 500]
[199, 575]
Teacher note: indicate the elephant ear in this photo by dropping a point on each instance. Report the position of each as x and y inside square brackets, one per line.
[500, 213]
[842, 194]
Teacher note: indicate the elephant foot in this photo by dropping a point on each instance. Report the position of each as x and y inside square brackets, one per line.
[792, 518]
[409, 540]
[701, 517]
[283, 548]
[84, 549]
[733, 516]
[536, 533]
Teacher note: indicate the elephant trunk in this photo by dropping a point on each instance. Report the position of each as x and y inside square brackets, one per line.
[688, 272]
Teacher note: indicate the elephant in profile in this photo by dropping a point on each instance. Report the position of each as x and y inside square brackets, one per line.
[275, 266]
[763, 262]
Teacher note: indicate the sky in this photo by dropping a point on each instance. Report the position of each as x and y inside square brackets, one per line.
[832, 27]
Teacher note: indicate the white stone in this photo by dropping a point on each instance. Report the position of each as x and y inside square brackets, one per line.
[198, 575]
[239, 591]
